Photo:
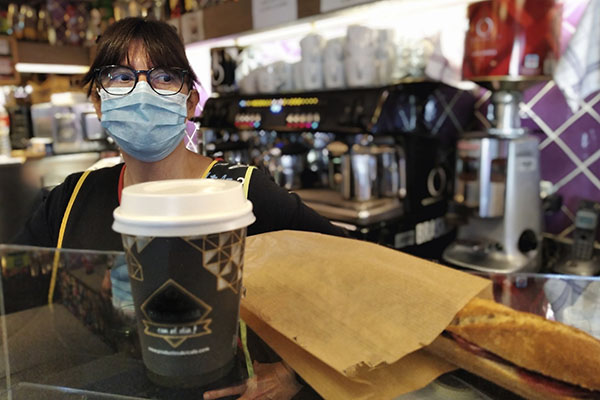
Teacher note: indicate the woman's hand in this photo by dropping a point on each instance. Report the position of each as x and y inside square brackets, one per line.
[105, 288]
[274, 381]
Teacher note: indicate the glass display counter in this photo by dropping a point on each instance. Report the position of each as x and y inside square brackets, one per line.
[85, 344]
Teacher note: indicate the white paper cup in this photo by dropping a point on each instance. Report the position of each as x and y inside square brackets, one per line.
[184, 244]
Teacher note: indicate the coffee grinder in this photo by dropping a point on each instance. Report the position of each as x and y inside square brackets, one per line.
[509, 45]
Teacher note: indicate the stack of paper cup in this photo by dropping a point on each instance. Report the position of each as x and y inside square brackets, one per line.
[312, 62]
[283, 76]
[297, 76]
[385, 56]
[359, 57]
[333, 64]
[249, 83]
[266, 80]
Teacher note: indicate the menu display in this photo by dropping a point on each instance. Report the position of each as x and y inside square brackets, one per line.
[330, 5]
[267, 13]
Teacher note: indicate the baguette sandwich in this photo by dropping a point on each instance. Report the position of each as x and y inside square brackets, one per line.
[527, 354]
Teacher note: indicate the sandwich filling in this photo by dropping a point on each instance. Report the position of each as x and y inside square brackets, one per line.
[540, 381]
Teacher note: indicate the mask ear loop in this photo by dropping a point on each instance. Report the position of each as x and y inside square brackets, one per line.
[198, 134]
[197, 147]
[194, 87]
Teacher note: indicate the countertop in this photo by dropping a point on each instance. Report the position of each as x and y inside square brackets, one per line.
[51, 354]
[81, 348]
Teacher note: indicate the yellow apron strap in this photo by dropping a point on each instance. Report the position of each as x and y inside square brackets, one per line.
[205, 174]
[244, 338]
[61, 234]
[243, 329]
[247, 177]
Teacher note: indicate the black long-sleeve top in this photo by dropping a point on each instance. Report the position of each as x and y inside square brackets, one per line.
[90, 220]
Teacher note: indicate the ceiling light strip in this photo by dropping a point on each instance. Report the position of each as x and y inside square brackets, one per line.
[51, 68]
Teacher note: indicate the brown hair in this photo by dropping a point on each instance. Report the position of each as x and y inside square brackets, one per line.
[159, 39]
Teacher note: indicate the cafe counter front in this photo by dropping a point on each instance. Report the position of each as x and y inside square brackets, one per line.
[85, 344]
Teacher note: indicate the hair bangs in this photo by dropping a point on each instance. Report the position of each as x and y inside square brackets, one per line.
[157, 39]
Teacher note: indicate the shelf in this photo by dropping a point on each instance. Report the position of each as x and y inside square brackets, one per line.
[238, 16]
[44, 53]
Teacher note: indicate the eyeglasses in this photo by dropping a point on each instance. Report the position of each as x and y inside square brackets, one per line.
[121, 80]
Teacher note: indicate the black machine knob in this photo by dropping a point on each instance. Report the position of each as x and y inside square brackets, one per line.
[551, 204]
[357, 114]
[364, 122]
[346, 117]
[528, 241]
[222, 113]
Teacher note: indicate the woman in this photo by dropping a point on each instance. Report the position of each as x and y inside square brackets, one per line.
[142, 87]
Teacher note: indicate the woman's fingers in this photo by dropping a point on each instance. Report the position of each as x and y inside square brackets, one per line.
[274, 381]
[228, 391]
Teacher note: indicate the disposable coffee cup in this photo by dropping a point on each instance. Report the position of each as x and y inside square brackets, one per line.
[184, 245]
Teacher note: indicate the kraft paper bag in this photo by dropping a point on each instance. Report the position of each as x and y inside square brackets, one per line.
[350, 316]
[410, 373]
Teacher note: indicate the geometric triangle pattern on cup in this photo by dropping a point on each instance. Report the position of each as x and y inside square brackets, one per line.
[134, 267]
[141, 242]
[222, 256]
[128, 241]
[174, 314]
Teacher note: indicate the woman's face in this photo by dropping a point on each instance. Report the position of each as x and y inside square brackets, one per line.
[138, 60]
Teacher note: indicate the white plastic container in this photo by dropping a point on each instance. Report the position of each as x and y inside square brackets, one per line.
[5, 146]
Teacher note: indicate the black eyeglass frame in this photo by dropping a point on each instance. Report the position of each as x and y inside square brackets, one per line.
[136, 73]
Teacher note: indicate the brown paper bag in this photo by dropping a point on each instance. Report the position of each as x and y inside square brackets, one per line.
[410, 373]
[352, 307]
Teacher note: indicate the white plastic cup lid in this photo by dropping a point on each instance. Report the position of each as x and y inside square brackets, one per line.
[182, 207]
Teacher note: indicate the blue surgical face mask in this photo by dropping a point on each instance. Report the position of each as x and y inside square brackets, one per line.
[145, 125]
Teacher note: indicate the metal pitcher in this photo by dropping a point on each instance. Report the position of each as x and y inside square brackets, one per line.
[371, 172]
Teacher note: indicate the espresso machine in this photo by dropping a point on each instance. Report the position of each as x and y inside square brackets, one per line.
[509, 46]
[70, 120]
[377, 161]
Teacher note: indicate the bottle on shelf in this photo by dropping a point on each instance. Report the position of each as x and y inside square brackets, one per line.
[5, 147]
